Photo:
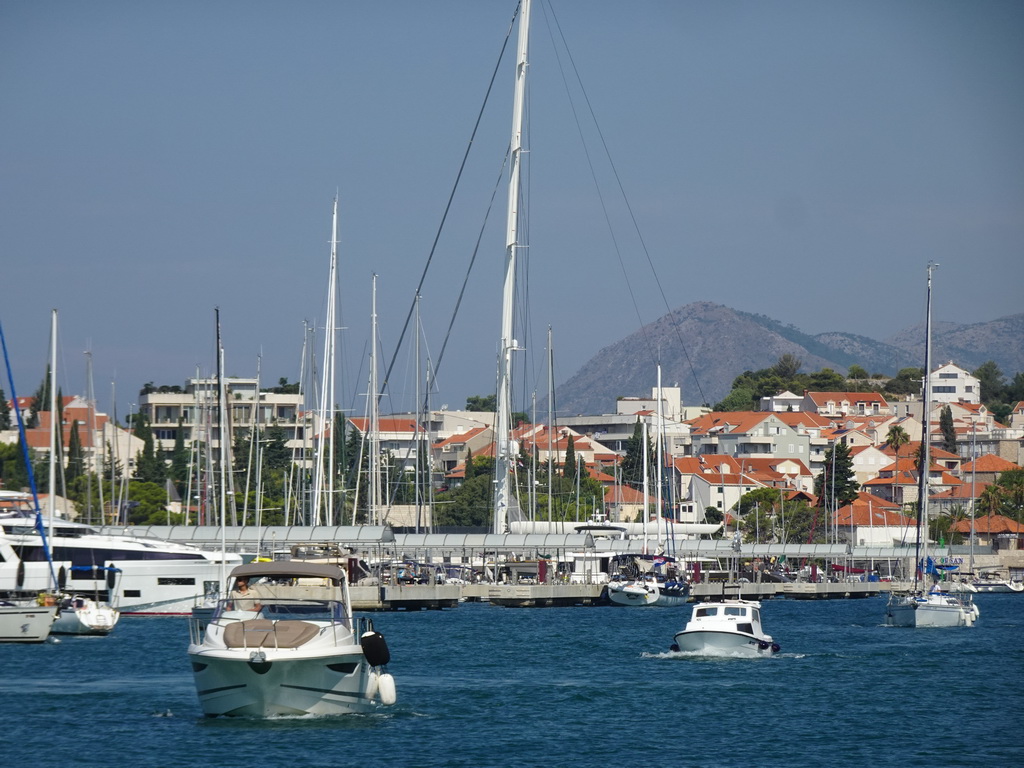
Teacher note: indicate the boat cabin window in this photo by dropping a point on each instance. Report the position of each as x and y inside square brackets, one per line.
[735, 610]
[756, 614]
[713, 611]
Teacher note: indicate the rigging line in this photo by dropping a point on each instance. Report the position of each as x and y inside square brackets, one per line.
[632, 216]
[451, 195]
[465, 281]
[590, 165]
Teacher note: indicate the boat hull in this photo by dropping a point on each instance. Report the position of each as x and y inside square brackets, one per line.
[26, 624]
[91, 619]
[933, 610]
[288, 682]
[999, 587]
[724, 643]
[633, 593]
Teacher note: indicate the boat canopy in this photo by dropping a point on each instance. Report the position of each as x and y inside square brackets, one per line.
[293, 568]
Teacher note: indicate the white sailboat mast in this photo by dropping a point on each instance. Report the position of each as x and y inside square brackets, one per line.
[502, 486]
[55, 421]
[323, 477]
[374, 498]
[922, 501]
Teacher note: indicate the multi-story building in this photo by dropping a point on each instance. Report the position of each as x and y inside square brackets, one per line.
[194, 413]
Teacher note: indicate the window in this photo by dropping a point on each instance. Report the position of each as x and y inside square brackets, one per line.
[945, 390]
[947, 376]
[176, 581]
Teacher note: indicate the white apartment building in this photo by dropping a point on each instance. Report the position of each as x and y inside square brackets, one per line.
[195, 412]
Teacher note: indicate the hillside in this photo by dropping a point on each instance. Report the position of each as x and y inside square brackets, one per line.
[704, 346]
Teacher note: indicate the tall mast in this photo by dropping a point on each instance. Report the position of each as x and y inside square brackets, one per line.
[55, 422]
[323, 477]
[374, 497]
[921, 555]
[222, 426]
[502, 436]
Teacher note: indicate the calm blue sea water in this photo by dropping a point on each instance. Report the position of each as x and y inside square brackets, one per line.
[481, 686]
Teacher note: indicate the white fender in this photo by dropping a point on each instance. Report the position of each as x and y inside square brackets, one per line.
[371, 684]
[386, 689]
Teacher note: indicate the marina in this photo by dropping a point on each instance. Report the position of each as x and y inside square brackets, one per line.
[530, 669]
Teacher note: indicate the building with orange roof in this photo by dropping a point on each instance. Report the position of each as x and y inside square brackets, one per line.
[959, 498]
[869, 521]
[996, 531]
[868, 461]
[97, 434]
[986, 468]
[838, 404]
[748, 434]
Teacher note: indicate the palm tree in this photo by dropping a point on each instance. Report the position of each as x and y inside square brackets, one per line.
[896, 438]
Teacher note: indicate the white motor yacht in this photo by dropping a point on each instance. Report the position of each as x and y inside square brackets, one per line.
[138, 574]
[80, 615]
[992, 582]
[290, 647]
[726, 627]
[28, 623]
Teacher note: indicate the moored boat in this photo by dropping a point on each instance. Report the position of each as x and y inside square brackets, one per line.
[80, 615]
[26, 623]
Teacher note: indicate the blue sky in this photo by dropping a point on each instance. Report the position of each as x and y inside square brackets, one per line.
[801, 159]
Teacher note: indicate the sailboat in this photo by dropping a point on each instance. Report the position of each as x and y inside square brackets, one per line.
[77, 614]
[24, 621]
[643, 589]
[927, 605]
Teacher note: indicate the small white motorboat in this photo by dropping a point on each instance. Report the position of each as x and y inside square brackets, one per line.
[726, 627]
[992, 582]
[292, 648]
[79, 615]
[26, 623]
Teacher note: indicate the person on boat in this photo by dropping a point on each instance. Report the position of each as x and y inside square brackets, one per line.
[244, 597]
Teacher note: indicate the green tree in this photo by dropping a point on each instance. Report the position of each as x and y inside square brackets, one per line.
[5, 412]
[13, 473]
[739, 399]
[787, 366]
[947, 429]
[76, 461]
[856, 372]
[40, 402]
[896, 438]
[149, 465]
[992, 381]
[482, 403]
[469, 505]
[632, 466]
[837, 478]
[178, 471]
[470, 471]
[906, 382]
[569, 466]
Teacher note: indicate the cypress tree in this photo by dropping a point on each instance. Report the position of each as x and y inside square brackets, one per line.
[5, 411]
[948, 430]
[569, 466]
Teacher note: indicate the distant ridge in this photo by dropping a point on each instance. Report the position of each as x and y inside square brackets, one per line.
[721, 343]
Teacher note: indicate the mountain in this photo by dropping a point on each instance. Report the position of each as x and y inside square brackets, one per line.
[705, 346]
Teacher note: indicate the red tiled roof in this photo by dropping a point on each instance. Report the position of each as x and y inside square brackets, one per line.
[989, 524]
